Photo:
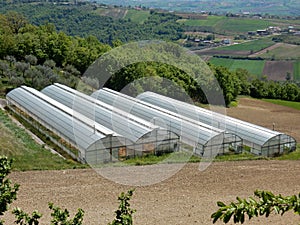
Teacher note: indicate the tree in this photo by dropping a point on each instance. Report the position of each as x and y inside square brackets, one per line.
[31, 59]
[22, 67]
[15, 21]
[50, 63]
[4, 68]
[266, 204]
[8, 193]
[229, 82]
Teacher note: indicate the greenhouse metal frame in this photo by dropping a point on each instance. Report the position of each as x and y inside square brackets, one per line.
[260, 140]
[91, 142]
[205, 140]
[146, 136]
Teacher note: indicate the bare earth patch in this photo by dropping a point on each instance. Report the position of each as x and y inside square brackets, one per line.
[277, 70]
[188, 197]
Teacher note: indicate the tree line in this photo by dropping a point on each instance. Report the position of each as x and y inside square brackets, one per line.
[39, 55]
[84, 20]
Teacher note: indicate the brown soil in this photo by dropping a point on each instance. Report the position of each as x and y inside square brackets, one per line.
[262, 113]
[188, 197]
[277, 70]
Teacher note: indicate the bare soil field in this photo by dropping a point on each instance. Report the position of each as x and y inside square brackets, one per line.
[277, 70]
[188, 197]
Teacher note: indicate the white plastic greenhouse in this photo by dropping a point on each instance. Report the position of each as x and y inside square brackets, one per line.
[146, 136]
[206, 140]
[86, 141]
[260, 140]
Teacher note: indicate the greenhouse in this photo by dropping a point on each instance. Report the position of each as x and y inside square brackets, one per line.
[205, 140]
[148, 138]
[80, 137]
[259, 140]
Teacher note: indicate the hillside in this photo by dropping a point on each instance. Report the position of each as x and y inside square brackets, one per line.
[18, 144]
[275, 7]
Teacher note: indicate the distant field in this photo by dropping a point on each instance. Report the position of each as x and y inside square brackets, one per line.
[242, 25]
[255, 67]
[138, 16]
[277, 70]
[297, 71]
[210, 21]
[227, 25]
[254, 46]
[283, 51]
[295, 105]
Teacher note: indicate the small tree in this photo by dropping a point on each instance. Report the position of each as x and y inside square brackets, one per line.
[266, 204]
[124, 213]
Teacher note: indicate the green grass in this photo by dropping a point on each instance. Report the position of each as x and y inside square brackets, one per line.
[242, 25]
[137, 16]
[18, 145]
[221, 62]
[211, 21]
[284, 51]
[297, 71]
[294, 105]
[255, 46]
[238, 157]
[295, 155]
[254, 67]
[222, 24]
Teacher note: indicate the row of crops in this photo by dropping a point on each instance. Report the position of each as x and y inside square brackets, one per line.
[260, 67]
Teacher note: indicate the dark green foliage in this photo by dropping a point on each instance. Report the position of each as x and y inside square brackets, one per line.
[84, 21]
[61, 217]
[266, 204]
[289, 90]
[8, 193]
[124, 213]
[40, 44]
[229, 82]
[23, 218]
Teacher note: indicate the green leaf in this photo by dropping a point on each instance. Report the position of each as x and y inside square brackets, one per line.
[216, 215]
[221, 204]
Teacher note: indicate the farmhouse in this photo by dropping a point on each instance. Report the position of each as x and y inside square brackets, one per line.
[259, 140]
[262, 32]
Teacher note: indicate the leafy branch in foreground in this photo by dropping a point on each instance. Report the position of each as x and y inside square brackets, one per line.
[266, 204]
[8, 193]
[23, 218]
[124, 213]
[60, 217]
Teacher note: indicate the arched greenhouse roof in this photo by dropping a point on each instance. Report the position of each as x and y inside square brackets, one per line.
[192, 132]
[127, 125]
[76, 129]
[250, 133]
